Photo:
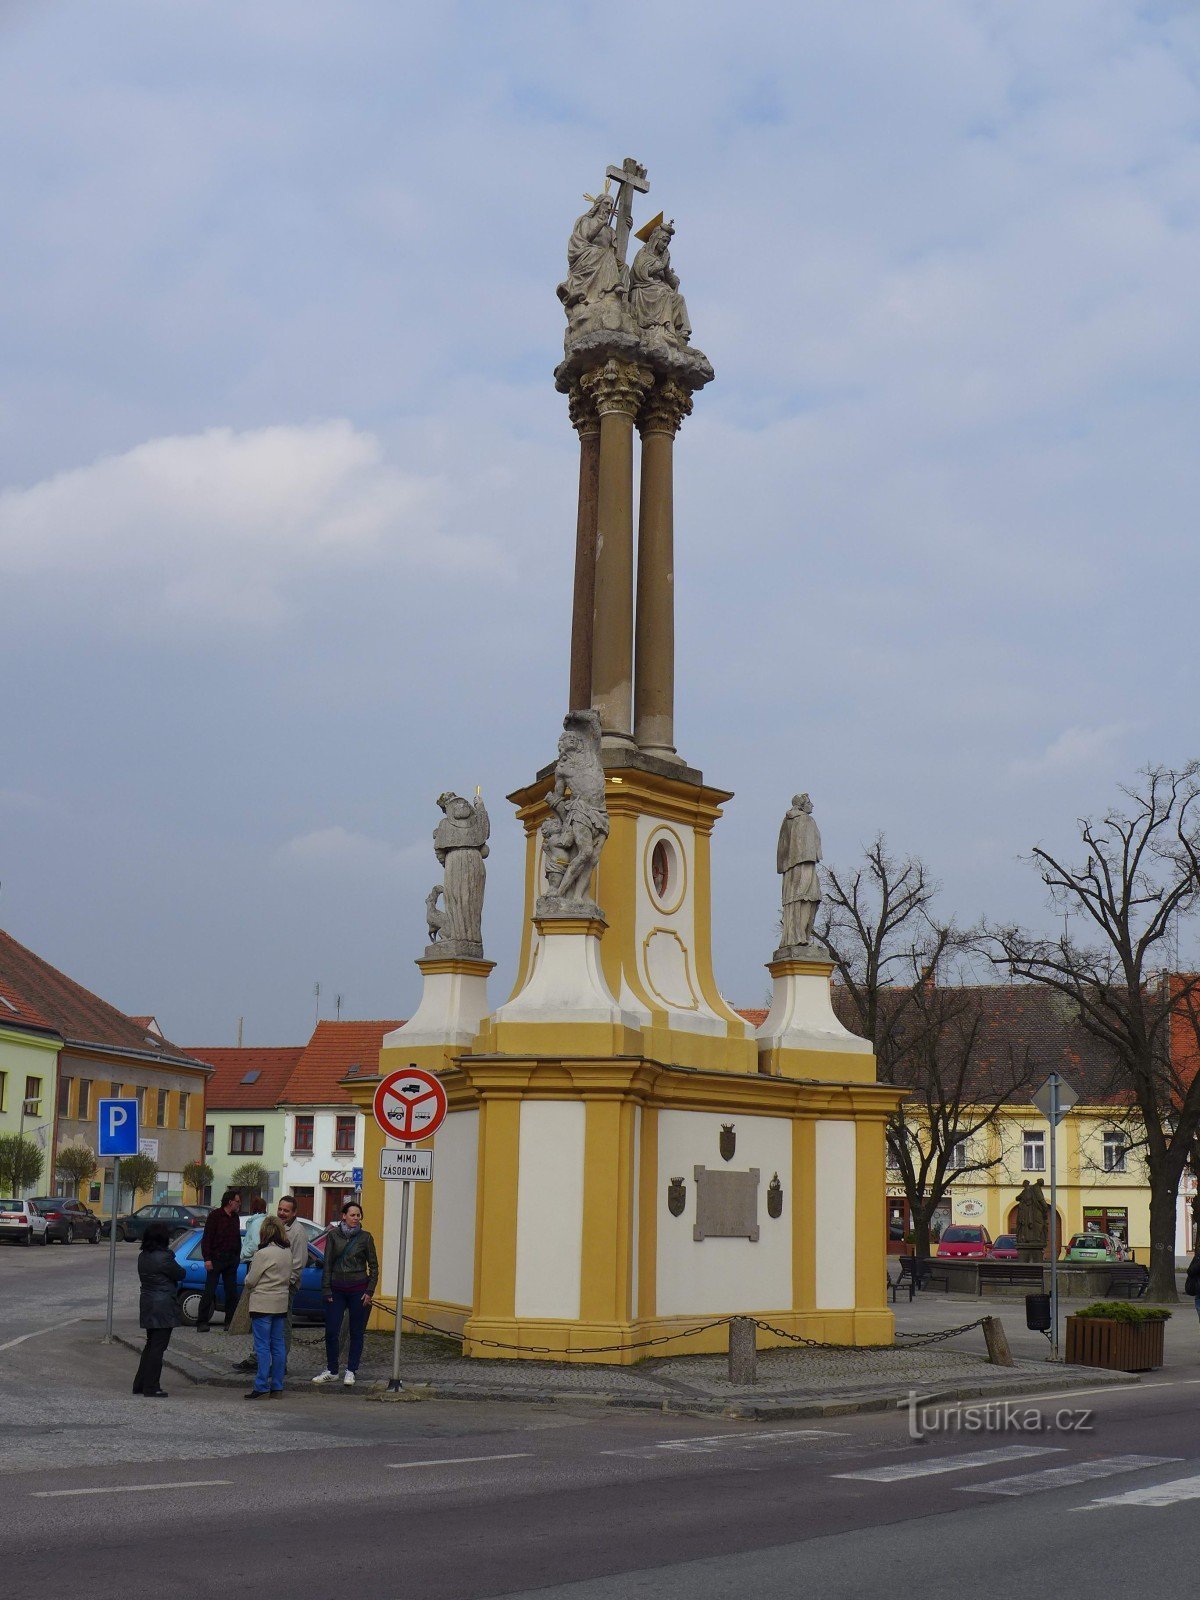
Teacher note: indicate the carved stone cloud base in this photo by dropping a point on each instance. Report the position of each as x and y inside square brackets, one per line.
[552, 907]
[454, 950]
[687, 365]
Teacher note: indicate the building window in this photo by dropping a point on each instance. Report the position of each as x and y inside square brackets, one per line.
[3, 1090]
[116, 1091]
[33, 1097]
[208, 1139]
[343, 1140]
[960, 1153]
[184, 1100]
[162, 1108]
[245, 1141]
[1033, 1151]
[84, 1105]
[140, 1096]
[302, 1133]
[893, 1157]
[1116, 1147]
[64, 1097]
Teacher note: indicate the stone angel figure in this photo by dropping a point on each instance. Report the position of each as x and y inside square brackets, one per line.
[574, 836]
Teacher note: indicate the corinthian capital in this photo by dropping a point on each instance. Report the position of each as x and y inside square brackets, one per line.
[664, 408]
[581, 409]
[617, 386]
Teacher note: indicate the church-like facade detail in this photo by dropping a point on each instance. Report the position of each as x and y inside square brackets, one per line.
[558, 1219]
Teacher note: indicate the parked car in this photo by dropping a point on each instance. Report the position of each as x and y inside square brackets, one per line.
[21, 1220]
[1094, 1247]
[176, 1217]
[1004, 1248]
[67, 1220]
[967, 1244]
[308, 1302]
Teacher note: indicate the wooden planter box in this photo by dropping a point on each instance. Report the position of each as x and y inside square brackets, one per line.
[1122, 1346]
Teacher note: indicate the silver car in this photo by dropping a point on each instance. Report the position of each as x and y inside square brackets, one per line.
[21, 1220]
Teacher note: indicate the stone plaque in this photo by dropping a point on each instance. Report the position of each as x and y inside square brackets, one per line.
[726, 1204]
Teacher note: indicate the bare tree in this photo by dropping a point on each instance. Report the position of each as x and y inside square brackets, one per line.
[1121, 914]
[904, 981]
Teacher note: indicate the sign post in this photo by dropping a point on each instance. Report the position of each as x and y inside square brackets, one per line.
[408, 1106]
[1054, 1099]
[117, 1136]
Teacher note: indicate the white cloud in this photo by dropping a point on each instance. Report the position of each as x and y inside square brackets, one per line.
[219, 527]
[1072, 750]
[343, 852]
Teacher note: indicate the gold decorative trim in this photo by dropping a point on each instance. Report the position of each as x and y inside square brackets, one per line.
[799, 969]
[593, 927]
[435, 966]
[671, 1005]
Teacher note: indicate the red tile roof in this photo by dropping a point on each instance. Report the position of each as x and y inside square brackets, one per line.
[754, 1015]
[43, 992]
[228, 1089]
[333, 1052]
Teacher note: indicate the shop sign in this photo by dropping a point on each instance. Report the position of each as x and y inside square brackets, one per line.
[970, 1208]
[339, 1175]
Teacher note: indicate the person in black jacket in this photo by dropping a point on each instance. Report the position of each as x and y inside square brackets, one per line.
[158, 1310]
[221, 1248]
[1191, 1284]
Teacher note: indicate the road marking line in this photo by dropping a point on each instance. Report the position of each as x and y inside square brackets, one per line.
[1065, 1477]
[132, 1488]
[37, 1332]
[928, 1469]
[459, 1461]
[769, 1437]
[1163, 1494]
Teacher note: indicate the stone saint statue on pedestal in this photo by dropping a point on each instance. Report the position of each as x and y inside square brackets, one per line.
[796, 857]
[460, 844]
[654, 298]
[573, 837]
[593, 292]
[1032, 1229]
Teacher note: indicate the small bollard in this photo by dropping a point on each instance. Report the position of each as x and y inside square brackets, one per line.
[997, 1343]
[743, 1350]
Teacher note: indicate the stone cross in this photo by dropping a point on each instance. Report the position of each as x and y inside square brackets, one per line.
[630, 175]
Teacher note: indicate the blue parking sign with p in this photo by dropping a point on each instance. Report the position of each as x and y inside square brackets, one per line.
[118, 1128]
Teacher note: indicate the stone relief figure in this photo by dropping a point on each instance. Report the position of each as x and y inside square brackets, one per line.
[593, 292]
[1033, 1213]
[796, 857]
[460, 844]
[654, 298]
[435, 919]
[573, 837]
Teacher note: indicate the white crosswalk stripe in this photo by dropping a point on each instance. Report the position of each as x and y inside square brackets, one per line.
[1162, 1494]
[707, 1444]
[1065, 1477]
[930, 1466]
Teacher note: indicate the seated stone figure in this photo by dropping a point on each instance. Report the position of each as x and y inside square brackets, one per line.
[654, 298]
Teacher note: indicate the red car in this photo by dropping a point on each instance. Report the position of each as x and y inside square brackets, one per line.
[1005, 1248]
[967, 1244]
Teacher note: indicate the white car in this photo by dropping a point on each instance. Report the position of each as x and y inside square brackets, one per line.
[21, 1220]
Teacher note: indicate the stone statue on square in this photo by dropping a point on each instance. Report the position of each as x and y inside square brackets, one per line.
[573, 836]
[460, 844]
[654, 298]
[796, 858]
[1033, 1213]
[593, 292]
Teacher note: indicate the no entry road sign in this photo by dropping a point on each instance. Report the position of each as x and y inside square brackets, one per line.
[410, 1105]
[118, 1130]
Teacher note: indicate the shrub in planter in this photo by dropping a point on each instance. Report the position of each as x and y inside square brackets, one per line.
[1117, 1335]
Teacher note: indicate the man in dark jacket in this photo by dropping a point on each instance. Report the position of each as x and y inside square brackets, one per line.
[221, 1248]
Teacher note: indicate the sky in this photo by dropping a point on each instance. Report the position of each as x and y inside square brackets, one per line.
[287, 493]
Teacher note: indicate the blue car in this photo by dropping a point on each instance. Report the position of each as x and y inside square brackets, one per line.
[308, 1302]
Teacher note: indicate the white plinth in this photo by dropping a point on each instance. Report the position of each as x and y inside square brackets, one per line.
[454, 1002]
[802, 1015]
[567, 982]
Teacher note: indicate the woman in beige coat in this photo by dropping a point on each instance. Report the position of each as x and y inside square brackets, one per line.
[268, 1281]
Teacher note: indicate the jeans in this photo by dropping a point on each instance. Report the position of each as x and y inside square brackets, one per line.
[267, 1327]
[335, 1310]
[149, 1372]
[224, 1272]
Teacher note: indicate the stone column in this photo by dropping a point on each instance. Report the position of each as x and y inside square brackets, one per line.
[587, 425]
[616, 389]
[654, 684]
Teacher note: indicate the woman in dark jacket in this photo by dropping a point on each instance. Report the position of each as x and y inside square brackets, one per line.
[158, 1311]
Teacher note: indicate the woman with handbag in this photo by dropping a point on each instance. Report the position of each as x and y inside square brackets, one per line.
[158, 1309]
[348, 1286]
[268, 1284]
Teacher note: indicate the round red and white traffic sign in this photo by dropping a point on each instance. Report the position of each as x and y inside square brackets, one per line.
[410, 1105]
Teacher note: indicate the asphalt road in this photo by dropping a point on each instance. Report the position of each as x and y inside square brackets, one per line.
[333, 1495]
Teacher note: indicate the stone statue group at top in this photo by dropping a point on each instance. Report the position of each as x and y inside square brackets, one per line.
[634, 311]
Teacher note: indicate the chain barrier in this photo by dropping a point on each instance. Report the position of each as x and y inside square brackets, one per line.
[912, 1341]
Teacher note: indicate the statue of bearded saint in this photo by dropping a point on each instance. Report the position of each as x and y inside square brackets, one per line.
[573, 837]
[796, 857]
[595, 285]
[654, 298]
[460, 844]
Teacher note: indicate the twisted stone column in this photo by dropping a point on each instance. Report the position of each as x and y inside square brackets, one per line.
[587, 425]
[654, 694]
[616, 390]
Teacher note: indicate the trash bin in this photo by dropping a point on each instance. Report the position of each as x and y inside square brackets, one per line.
[1037, 1312]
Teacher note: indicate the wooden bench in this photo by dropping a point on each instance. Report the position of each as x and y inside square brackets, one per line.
[918, 1272]
[1013, 1273]
[1129, 1277]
